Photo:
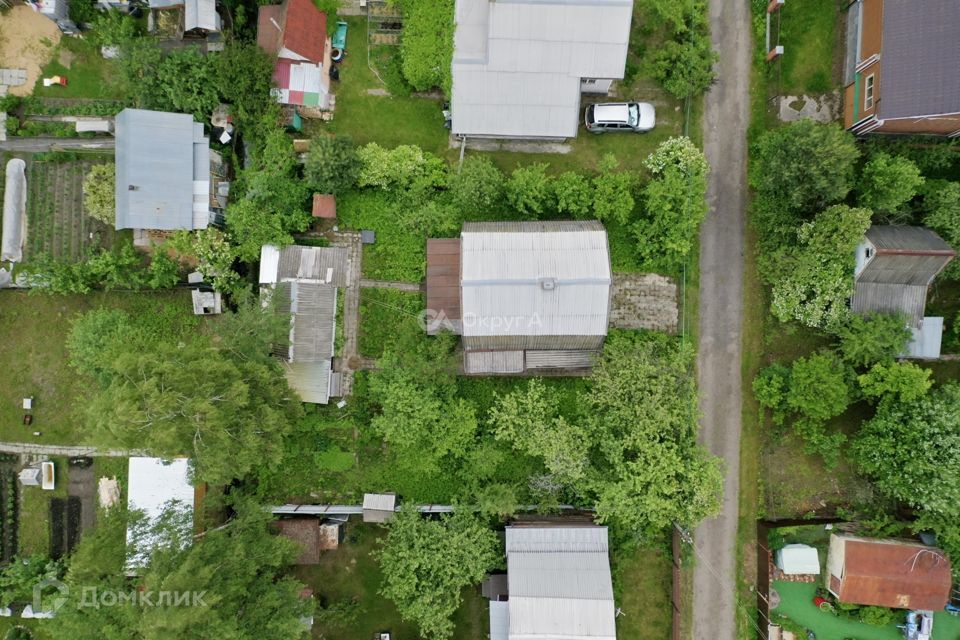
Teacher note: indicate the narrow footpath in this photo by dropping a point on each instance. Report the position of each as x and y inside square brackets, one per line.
[726, 117]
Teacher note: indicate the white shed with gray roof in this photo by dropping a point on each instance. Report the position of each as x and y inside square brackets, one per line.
[518, 65]
[559, 585]
[162, 171]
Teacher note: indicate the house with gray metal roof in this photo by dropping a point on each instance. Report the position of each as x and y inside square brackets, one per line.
[303, 283]
[520, 66]
[162, 171]
[901, 67]
[526, 297]
[558, 585]
[895, 265]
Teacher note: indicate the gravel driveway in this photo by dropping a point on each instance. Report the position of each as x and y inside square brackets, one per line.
[726, 116]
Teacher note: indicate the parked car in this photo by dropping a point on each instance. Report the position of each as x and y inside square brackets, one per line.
[620, 116]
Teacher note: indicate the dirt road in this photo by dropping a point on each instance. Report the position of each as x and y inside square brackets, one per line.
[726, 116]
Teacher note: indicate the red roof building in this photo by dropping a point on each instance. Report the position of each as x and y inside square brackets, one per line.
[324, 206]
[898, 574]
[296, 33]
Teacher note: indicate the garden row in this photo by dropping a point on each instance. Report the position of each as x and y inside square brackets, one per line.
[8, 511]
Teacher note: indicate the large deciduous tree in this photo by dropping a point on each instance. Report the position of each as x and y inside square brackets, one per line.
[888, 182]
[813, 279]
[648, 472]
[797, 170]
[872, 338]
[427, 562]
[238, 570]
[911, 451]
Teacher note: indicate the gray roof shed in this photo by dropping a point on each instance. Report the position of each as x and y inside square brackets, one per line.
[895, 266]
[559, 583]
[305, 281]
[162, 171]
[921, 53]
[518, 64]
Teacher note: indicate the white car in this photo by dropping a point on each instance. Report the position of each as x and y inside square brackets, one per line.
[620, 116]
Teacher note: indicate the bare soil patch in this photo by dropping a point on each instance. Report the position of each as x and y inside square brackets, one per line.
[27, 41]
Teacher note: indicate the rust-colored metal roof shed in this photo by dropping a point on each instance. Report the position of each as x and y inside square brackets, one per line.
[888, 573]
[443, 284]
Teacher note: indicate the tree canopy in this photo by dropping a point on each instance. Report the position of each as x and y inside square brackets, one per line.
[813, 279]
[427, 562]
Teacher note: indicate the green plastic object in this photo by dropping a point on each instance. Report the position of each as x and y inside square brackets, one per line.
[340, 36]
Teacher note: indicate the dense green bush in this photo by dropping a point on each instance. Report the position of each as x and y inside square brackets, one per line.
[332, 164]
[876, 337]
[888, 182]
[798, 169]
[572, 195]
[478, 187]
[99, 199]
[426, 45]
[528, 190]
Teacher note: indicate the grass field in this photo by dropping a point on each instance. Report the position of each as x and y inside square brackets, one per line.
[33, 332]
[811, 47]
[642, 582]
[381, 313]
[89, 74]
[34, 518]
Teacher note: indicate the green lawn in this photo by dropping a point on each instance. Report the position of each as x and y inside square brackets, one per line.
[34, 519]
[33, 353]
[796, 603]
[89, 74]
[351, 575]
[381, 311]
[642, 583]
[809, 37]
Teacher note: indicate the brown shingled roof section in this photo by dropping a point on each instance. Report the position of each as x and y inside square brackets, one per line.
[304, 29]
[268, 36]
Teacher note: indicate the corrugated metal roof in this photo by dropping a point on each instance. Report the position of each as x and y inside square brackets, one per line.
[319, 264]
[921, 51]
[896, 238]
[559, 583]
[485, 362]
[14, 210]
[535, 279]
[876, 297]
[499, 620]
[517, 64]
[314, 308]
[443, 284]
[156, 167]
[926, 340]
[201, 14]
[310, 380]
[561, 359]
[152, 486]
[893, 573]
[379, 501]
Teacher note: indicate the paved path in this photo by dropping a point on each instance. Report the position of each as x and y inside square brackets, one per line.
[39, 145]
[64, 450]
[726, 116]
[390, 284]
[351, 309]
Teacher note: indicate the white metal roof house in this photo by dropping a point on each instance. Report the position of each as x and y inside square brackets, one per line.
[519, 66]
[305, 281]
[152, 486]
[525, 296]
[163, 171]
[559, 584]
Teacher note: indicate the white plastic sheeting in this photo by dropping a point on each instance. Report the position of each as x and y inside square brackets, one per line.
[14, 210]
